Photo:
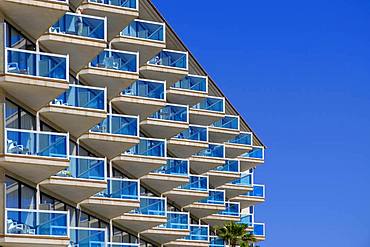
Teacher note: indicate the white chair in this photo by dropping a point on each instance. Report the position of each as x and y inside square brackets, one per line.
[13, 67]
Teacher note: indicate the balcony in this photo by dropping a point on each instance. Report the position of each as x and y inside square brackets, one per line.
[141, 98]
[239, 145]
[189, 142]
[143, 158]
[215, 241]
[252, 197]
[208, 159]
[208, 111]
[119, 13]
[146, 37]
[113, 135]
[87, 236]
[239, 186]
[231, 213]
[46, 11]
[252, 159]
[167, 65]
[186, 194]
[115, 70]
[224, 129]
[177, 226]
[35, 228]
[34, 155]
[199, 236]
[78, 109]
[224, 174]
[83, 37]
[167, 122]
[190, 90]
[214, 203]
[247, 219]
[84, 177]
[169, 176]
[122, 245]
[259, 232]
[151, 213]
[121, 196]
[42, 75]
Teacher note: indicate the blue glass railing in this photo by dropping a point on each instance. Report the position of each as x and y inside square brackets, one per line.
[118, 125]
[149, 147]
[197, 183]
[174, 167]
[146, 89]
[215, 241]
[198, 233]
[230, 166]
[127, 189]
[131, 4]
[172, 113]
[85, 168]
[256, 153]
[151, 206]
[31, 63]
[36, 143]
[215, 197]
[193, 83]
[259, 229]
[82, 97]
[87, 237]
[245, 180]
[173, 59]
[232, 209]
[116, 60]
[246, 219]
[36, 222]
[121, 245]
[81, 25]
[258, 191]
[213, 150]
[194, 133]
[211, 104]
[145, 30]
[228, 122]
[243, 139]
[176, 220]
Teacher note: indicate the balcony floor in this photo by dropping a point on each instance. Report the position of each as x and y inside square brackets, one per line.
[219, 178]
[185, 97]
[163, 182]
[220, 220]
[247, 201]
[185, 197]
[182, 148]
[162, 128]
[187, 243]
[248, 163]
[201, 165]
[220, 135]
[205, 118]
[139, 223]
[233, 150]
[201, 210]
[163, 73]
[15, 240]
[234, 190]
[162, 235]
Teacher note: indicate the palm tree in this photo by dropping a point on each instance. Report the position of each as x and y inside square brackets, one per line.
[232, 233]
[248, 240]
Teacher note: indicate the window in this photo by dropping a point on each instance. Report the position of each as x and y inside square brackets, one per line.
[15, 39]
[120, 236]
[19, 195]
[18, 118]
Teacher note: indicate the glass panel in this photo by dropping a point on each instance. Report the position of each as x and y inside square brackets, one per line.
[215, 197]
[144, 30]
[172, 113]
[121, 245]
[230, 166]
[151, 206]
[232, 209]
[256, 153]
[148, 147]
[36, 64]
[258, 191]
[174, 167]
[87, 168]
[176, 221]
[243, 138]
[246, 220]
[245, 180]
[121, 189]
[211, 104]
[212, 151]
[36, 222]
[194, 133]
[118, 125]
[171, 59]
[80, 25]
[227, 123]
[259, 229]
[193, 83]
[84, 97]
[196, 183]
[120, 3]
[87, 237]
[147, 89]
[198, 233]
[216, 242]
[36, 143]
[116, 60]
[12, 193]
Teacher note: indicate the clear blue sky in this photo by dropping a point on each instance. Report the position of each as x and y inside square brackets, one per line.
[299, 72]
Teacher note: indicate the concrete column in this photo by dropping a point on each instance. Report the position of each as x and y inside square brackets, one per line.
[2, 200]
[2, 43]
